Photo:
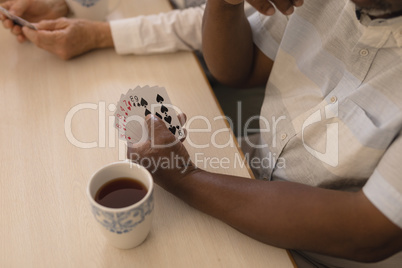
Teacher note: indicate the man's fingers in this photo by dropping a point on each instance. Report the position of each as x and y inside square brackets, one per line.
[284, 6]
[268, 7]
[52, 25]
[184, 136]
[298, 3]
[44, 36]
[43, 39]
[156, 125]
[8, 24]
[21, 38]
[234, 2]
[7, 5]
[159, 133]
[262, 6]
[52, 36]
[182, 118]
[17, 30]
[30, 34]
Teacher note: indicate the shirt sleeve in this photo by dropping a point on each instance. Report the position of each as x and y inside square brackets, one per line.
[165, 32]
[268, 32]
[384, 187]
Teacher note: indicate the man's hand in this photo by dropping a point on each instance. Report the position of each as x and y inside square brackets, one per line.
[68, 38]
[32, 11]
[267, 7]
[162, 154]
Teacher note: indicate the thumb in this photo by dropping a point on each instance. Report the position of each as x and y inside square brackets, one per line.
[158, 132]
[155, 125]
[52, 25]
[30, 34]
[44, 27]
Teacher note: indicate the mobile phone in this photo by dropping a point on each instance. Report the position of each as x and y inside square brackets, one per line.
[17, 20]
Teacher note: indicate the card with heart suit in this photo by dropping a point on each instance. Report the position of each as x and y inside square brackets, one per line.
[136, 104]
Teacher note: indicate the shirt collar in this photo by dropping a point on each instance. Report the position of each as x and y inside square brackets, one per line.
[381, 27]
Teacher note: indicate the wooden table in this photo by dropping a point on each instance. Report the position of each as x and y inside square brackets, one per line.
[45, 220]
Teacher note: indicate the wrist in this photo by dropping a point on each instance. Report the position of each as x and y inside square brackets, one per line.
[184, 185]
[103, 35]
[174, 179]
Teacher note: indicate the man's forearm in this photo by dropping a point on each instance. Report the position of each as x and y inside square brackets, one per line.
[227, 42]
[294, 216]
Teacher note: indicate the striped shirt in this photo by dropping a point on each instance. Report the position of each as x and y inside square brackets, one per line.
[332, 113]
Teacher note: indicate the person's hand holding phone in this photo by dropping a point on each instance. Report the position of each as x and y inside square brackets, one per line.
[67, 38]
[32, 11]
[15, 19]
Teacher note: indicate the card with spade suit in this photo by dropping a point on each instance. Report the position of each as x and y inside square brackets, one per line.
[134, 106]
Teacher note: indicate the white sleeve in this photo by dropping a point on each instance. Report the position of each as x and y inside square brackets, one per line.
[384, 187]
[165, 32]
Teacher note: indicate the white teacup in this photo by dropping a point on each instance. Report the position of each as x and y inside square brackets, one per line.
[125, 227]
[91, 9]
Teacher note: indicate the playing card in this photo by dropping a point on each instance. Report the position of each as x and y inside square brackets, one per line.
[17, 20]
[121, 115]
[136, 104]
[155, 100]
[134, 129]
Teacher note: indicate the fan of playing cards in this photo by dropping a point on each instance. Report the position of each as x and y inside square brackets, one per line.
[136, 104]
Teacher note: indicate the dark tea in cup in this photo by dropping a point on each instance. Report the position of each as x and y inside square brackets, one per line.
[120, 193]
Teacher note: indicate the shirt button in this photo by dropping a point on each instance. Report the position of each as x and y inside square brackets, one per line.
[364, 52]
[283, 136]
[334, 99]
